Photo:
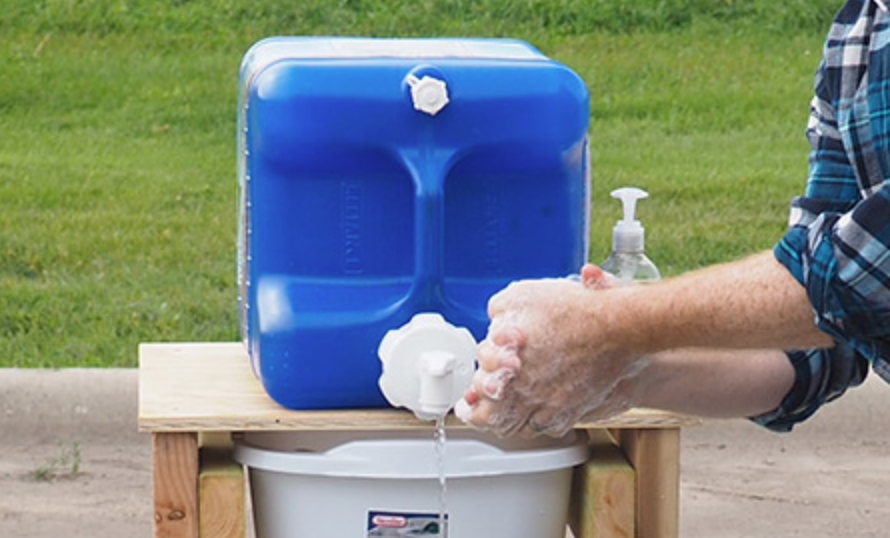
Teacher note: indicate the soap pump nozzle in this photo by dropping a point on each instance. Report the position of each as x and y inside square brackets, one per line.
[627, 260]
[628, 234]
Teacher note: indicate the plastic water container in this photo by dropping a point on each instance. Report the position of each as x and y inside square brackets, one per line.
[362, 485]
[380, 178]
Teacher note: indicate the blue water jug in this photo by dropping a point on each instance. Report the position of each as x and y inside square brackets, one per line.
[381, 178]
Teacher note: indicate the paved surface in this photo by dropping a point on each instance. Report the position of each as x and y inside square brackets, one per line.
[828, 479]
[50, 420]
[831, 478]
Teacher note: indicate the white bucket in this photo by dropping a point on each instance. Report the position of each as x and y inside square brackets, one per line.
[362, 484]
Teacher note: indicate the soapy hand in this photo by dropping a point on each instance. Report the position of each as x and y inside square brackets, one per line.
[547, 361]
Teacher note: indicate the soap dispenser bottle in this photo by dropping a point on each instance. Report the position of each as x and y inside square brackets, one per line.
[627, 261]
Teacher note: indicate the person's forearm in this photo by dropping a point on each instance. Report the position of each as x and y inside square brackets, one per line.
[751, 303]
[717, 383]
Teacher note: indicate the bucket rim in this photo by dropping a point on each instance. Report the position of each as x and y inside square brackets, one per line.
[414, 458]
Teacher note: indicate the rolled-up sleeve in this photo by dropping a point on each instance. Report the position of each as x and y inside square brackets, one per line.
[843, 261]
[820, 376]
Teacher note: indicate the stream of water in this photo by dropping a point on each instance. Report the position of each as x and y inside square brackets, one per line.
[440, 439]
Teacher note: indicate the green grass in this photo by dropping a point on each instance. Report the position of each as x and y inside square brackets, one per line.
[117, 189]
[230, 20]
[117, 160]
[711, 125]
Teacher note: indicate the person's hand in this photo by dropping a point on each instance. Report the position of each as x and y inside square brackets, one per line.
[547, 361]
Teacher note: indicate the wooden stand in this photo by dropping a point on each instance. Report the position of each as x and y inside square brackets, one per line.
[187, 390]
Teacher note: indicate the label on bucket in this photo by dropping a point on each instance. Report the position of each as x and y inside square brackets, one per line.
[404, 524]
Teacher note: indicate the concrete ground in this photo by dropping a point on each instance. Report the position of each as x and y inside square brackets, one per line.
[830, 478]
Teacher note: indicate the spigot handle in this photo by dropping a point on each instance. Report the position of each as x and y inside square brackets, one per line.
[436, 383]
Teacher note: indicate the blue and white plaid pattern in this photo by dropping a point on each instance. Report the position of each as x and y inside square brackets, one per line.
[838, 241]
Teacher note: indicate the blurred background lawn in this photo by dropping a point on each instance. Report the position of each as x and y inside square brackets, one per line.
[117, 142]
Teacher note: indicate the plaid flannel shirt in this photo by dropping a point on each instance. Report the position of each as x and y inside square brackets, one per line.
[838, 241]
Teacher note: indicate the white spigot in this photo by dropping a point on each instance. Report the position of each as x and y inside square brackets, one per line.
[436, 373]
[427, 365]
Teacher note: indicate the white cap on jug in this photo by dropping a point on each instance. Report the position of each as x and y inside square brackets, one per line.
[429, 95]
[628, 234]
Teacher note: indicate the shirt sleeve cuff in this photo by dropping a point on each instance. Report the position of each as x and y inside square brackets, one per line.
[820, 376]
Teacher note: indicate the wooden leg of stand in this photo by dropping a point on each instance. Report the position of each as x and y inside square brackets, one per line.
[655, 456]
[603, 496]
[221, 493]
[175, 482]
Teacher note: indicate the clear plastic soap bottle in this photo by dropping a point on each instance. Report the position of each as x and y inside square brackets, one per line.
[627, 260]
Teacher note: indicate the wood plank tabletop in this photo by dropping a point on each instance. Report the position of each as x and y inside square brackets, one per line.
[202, 387]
